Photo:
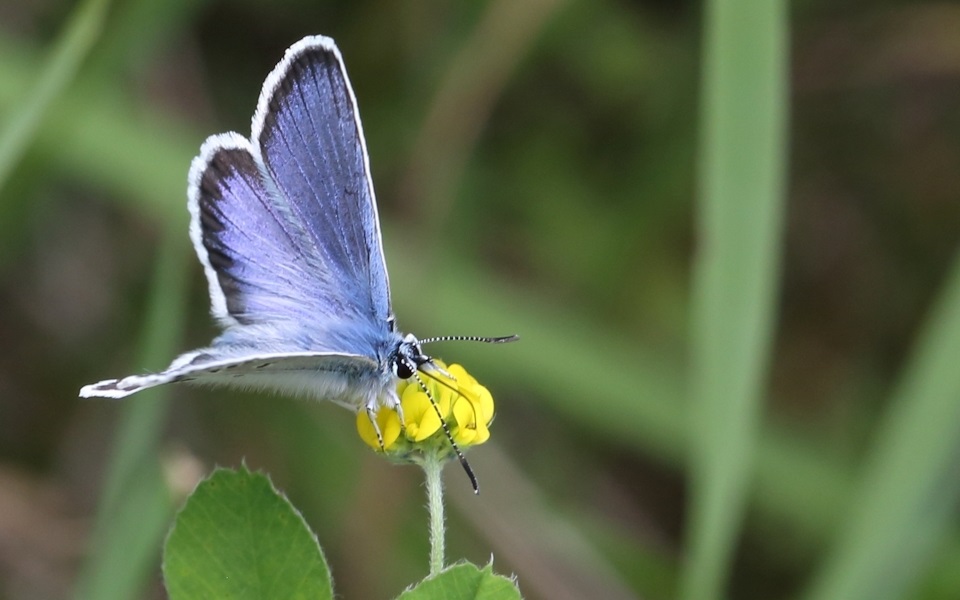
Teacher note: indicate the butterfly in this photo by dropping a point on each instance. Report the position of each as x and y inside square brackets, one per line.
[285, 225]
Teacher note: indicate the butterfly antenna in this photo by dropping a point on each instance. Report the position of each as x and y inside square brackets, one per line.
[446, 431]
[471, 338]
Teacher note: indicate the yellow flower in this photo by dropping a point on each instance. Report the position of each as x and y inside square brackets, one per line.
[387, 421]
[465, 406]
[472, 410]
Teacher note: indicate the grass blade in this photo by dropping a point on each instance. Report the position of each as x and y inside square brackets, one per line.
[910, 490]
[136, 506]
[735, 279]
[64, 61]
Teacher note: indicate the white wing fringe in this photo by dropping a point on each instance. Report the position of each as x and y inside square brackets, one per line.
[121, 388]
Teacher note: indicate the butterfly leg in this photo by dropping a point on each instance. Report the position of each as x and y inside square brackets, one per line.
[399, 410]
[372, 415]
[392, 401]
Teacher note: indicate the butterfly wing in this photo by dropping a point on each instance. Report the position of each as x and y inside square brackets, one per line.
[308, 132]
[325, 376]
[259, 267]
[285, 225]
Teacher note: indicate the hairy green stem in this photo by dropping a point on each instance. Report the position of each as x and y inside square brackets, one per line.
[432, 468]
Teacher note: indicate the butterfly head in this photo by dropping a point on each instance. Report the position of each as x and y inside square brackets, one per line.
[408, 357]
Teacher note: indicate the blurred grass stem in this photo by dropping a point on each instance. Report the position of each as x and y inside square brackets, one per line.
[740, 206]
[909, 491]
[136, 504]
[474, 81]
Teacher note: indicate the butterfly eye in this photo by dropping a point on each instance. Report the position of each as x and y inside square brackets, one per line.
[403, 368]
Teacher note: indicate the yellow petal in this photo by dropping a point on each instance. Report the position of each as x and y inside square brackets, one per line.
[485, 400]
[422, 420]
[469, 430]
[479, 396]
[482, 434]
[464, 379]
[464, 412]
[387, 421]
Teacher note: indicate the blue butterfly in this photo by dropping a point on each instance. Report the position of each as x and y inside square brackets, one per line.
[285, 224]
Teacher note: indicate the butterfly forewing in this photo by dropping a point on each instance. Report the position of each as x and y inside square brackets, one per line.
[308, 132]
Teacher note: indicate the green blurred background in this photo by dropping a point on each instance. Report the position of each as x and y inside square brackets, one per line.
[538, 169]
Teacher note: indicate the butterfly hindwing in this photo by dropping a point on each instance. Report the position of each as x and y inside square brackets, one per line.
[323, 375]
[259, 267]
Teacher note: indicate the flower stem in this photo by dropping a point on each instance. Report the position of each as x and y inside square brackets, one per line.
[432, 467]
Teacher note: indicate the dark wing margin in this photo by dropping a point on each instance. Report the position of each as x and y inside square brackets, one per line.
[309, 138]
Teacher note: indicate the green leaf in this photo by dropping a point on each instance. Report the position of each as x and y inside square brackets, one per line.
[237, 537]
[464, 581]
